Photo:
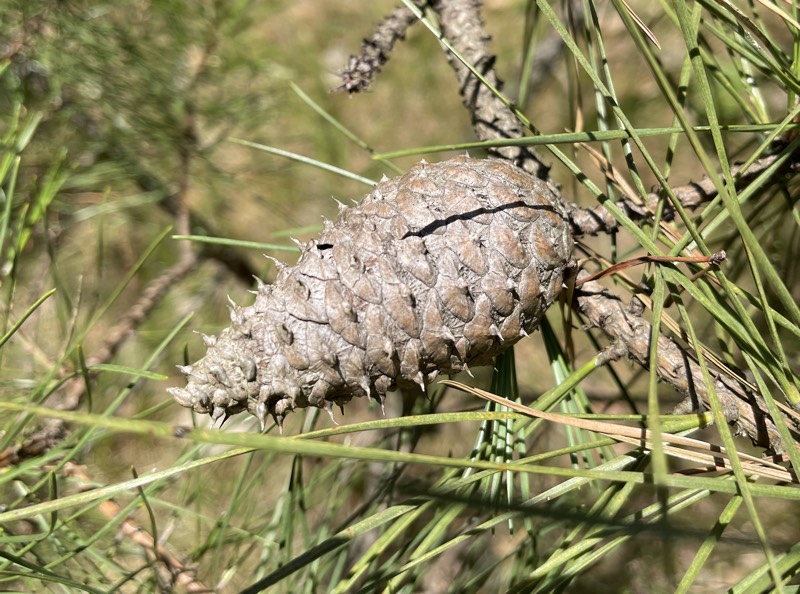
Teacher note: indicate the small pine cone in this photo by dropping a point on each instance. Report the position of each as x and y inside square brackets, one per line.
[437, 270]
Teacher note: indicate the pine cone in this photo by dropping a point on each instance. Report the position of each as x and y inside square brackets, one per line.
[437, 270]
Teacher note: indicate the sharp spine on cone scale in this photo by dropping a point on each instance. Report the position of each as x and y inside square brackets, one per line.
[434, 272]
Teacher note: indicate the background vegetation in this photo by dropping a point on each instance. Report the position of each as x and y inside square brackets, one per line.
[117, 122]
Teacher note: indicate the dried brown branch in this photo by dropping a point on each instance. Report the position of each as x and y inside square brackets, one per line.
[492, 120]
[744, 410]
[44, 440]
[697, 193]
[592, 221]
[149, 299]
[461, 24]
[362, 69]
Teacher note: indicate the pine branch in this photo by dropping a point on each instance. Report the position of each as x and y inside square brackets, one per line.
[462, 26]
[744, 410]
[362, 68]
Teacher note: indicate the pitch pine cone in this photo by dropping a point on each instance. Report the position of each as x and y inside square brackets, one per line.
[437, 270]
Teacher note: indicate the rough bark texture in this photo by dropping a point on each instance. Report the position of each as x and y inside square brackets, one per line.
[362, 69]
[746, 413]
[435, 271]
[491, 118]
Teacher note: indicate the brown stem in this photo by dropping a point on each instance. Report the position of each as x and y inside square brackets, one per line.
[592, 221]
[362, 69]
[491, 119]
[745, 410]
[150, 297]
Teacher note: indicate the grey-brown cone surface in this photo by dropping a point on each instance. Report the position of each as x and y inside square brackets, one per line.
[434, 272]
